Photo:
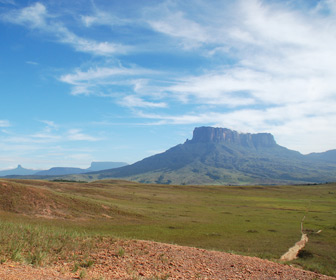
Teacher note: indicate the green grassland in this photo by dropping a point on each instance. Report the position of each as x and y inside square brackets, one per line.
[261, 221]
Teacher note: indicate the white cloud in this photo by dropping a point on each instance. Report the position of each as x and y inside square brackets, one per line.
[100, 17]
[43, 137]
[326, 6]
[28, 157]
[241, 87]
[50, 134]
[11, 2]
[134, 101]
[230, 88]
[96, 74]
[283, 56]
[32, 62]
[90, 81]
[46, 135]
[87, 45]
[77, 135]
[89, 20]
[33, 16]
[50, 124]
[176, 25]
[4, 123]
[37, 17]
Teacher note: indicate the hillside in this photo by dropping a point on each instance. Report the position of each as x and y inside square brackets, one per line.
[46, 200]
[223, 156]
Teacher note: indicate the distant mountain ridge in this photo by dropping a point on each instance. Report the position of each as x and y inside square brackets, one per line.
[58, 171]
[329, 156]
[19, 170]
[216, 156]
[102, 165]
[224, 156]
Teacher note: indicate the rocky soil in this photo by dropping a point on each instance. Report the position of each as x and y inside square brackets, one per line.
[132, 259]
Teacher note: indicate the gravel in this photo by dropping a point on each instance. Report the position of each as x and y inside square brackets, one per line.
[134, 259]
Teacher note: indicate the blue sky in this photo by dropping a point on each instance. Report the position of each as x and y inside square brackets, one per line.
[92, 80]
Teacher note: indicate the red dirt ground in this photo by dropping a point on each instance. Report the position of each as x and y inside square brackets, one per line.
[132, 259]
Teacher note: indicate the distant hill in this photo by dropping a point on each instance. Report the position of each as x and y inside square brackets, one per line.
[18, 171]
[95, 166]
[329, 156]
[224, 156]
[102, 165]
[59, 171]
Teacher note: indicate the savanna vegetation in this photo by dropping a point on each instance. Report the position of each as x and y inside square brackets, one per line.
[43, 221]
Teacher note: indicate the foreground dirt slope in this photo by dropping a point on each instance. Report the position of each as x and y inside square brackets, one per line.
[132, 259]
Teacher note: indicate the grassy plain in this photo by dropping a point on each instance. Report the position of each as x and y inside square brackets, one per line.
[261, 221]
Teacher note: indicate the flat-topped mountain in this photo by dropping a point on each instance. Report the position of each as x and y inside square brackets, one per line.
[224, 156]
[224, 135]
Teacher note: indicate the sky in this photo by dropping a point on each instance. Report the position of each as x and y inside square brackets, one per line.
[97, 80]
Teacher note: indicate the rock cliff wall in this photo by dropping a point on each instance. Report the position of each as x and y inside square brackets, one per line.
[217, 135]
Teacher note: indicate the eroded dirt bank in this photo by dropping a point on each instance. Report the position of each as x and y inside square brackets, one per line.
[292, 253]
[151, 260]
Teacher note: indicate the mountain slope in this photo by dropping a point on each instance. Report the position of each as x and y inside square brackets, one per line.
[102, 165]
[223, 156]
[328, 156]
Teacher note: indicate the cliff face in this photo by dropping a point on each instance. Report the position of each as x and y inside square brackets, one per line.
[218, 135]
